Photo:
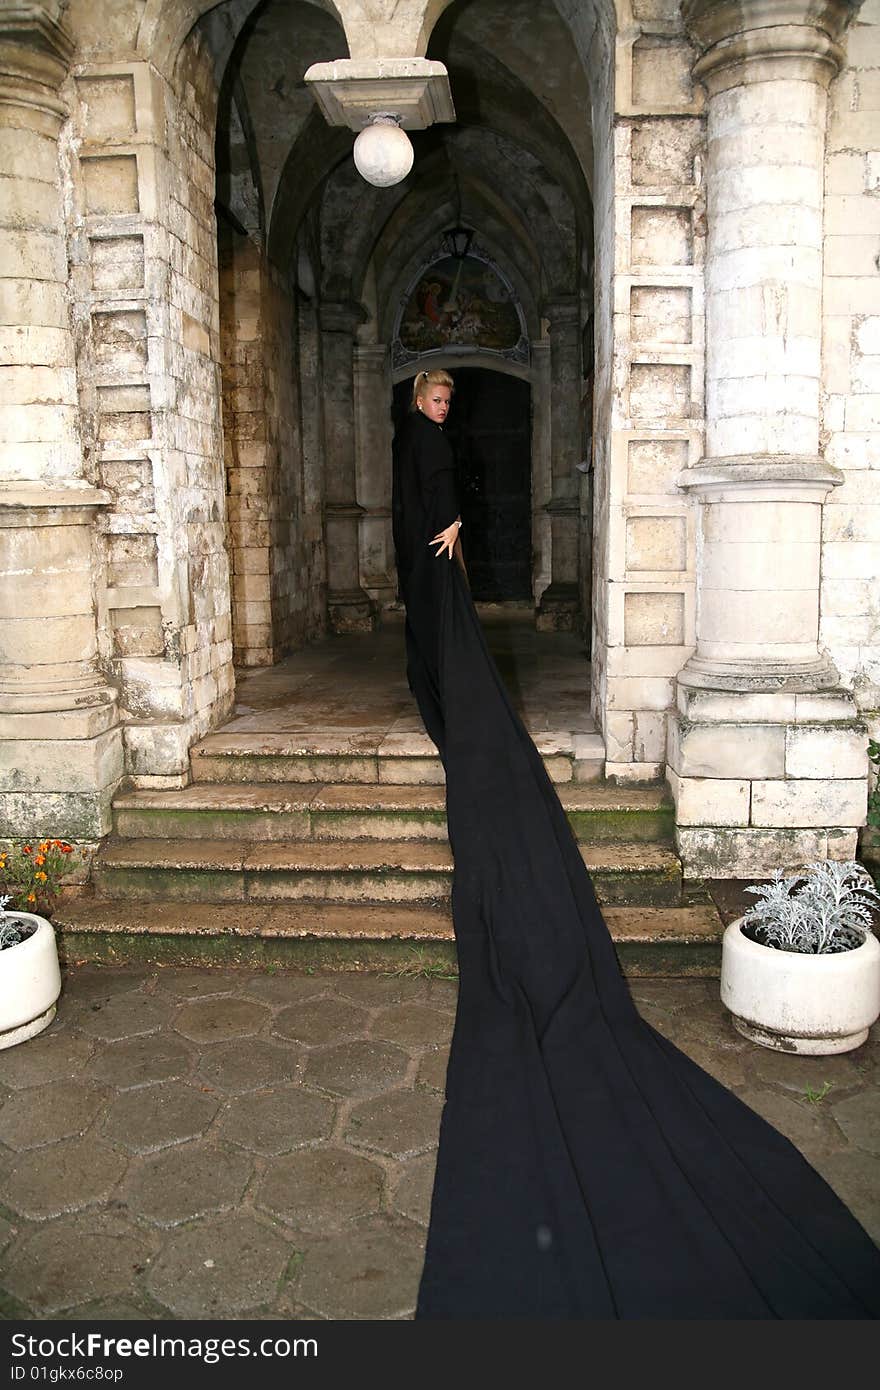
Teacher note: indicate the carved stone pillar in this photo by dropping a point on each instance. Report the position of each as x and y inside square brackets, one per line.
[61, 757]
[560, 601]
[350, 608]
[759, 777]
[373, 435]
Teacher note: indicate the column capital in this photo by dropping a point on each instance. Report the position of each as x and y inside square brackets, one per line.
[743, 41]
[35, 54]
[341, 316]
[745, 478]
[562, 312]
[371, 357]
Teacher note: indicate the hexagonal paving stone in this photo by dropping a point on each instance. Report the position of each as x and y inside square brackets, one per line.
[7, 1231]
[414, 1186]
[248, 1066]
[75, 1259]
[855, 1177]
[401, 1124]
[48, 1057]
[859, 1118]
[98, 984]
[194, 1179]
[63, 1177]
[321, 1021]
[413, 1025]
[708, 1022]
[219, 1266]
[199, 984]
[153, 1117]
[274, 1122]
[111, 1310]
[7, 1158]
[432, 1070]
[285, 987]
[442, 994]
[321, 1189]
[730, 1068]
[43, 1114]
[218, 1020]
[357, 1068]
[797, 1074]
[372, 1272]
[809, 1127]
[125, 1016]
[373, 990]
[142, 1061]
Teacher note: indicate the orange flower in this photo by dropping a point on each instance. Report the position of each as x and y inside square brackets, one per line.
[40, 859]
[67, 849]
[31, 898]
[57, 844]
[25, 849]
[44, 845]
[41, 878]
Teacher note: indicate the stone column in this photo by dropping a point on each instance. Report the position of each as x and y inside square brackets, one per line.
[560, 601]
[766, 755]
[350, 608]
[61, 757]
[373, 434]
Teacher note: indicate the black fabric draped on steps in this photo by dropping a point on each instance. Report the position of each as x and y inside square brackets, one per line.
[586, 1168]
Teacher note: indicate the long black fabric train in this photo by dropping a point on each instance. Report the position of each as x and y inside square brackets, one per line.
[587, 1168]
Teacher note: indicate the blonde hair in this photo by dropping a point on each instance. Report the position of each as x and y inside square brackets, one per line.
[423, 382]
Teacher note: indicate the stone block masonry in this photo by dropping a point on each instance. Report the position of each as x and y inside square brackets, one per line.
[275, 524]
[644, 528]
[61, 745]
[850, 402]
[143, 249]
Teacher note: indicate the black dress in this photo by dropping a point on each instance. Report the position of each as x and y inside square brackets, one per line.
[586, 1167]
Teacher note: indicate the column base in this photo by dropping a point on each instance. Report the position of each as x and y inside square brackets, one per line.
[559, 609]
[765, 780]
[701, 673]
[59, 786]
[715, 852]
[352, 611]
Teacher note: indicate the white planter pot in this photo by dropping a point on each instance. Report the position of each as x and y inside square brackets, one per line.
[810, 1004]
[30, 983]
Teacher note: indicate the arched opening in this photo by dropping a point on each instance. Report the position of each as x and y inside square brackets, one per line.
[490, 431]
[314, 267]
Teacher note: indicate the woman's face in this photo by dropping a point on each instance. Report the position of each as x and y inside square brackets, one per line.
[435, 403]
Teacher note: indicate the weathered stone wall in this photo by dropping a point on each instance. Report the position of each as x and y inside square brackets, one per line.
[276, 543]
[140, 167]
[60, 739]
[850, 420]
[648, 413]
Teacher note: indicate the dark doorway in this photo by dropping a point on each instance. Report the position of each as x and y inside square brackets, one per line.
[490, 430]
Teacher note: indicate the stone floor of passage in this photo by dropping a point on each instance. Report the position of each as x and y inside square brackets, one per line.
[219, 1143]
[358, 683]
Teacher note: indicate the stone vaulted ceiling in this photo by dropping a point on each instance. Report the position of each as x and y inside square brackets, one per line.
[516, 165]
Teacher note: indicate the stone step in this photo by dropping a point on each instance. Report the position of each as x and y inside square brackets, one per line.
[398, 759]
[353, 811]
[409, 938]
[362, 871]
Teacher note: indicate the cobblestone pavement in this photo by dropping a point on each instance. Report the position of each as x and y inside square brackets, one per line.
[217, 1143]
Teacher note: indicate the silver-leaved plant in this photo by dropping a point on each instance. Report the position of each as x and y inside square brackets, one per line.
[829, 907]
[11, 932]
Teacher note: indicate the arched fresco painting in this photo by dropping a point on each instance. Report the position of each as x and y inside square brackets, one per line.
[461, 304]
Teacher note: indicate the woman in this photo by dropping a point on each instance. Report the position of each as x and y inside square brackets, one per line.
[586, 1167]
[424, 502]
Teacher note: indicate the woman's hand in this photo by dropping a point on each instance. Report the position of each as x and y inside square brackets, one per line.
[447, 538]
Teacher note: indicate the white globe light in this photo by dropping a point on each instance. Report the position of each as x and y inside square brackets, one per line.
[383, 154]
